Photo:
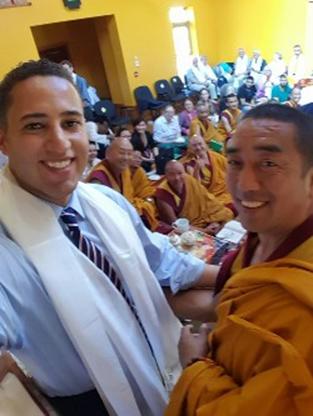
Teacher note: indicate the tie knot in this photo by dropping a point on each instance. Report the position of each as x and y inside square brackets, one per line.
[68, 216]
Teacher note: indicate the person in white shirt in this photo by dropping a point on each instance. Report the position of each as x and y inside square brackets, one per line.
[241, 67]
[92, 161]
[94, 136]
[197, 78]
[166, 128]
[81, 305]
[297, 65]
[210, 76]
[278, 67]
[257, 64]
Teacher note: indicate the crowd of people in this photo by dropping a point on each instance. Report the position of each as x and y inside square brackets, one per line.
[195, 137]
[92, 292]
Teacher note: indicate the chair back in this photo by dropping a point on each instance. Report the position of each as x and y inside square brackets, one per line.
[163, 90]
[105, 108]
[143, 96]
[177, 84]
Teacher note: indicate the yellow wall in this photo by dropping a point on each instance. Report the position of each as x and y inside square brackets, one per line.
[84, 51]
[268, 25]
[141, 28]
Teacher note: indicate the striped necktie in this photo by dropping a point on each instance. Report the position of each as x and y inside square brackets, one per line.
[86, 246]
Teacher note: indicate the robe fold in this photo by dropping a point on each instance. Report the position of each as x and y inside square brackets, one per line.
[261, 350]
[232, 116]
[134, 186]
[197, 204]
[208, 132]
[212, 176]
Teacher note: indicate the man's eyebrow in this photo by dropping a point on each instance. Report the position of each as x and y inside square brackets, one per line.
[271, 148]
[33, 115]
[72, 113]
[43, 115]
[231, 150]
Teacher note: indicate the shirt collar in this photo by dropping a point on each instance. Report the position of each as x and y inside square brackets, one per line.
[73, 203]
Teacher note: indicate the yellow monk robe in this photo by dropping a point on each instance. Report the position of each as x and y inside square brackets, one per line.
[206, 130]
[198, 205]
[232, 116]
[141, 185]
[261, 360]
[212, 177]
[136, 189]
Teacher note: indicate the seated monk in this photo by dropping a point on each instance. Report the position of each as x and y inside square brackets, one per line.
[114, 171]
[202, 125]
[258, 359]
[209, 168]
[229, 117]
[182, 196]
[141, 185]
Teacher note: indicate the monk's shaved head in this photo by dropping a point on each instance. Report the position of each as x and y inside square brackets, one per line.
[119, 154]
[197, 144]
[175, 175]
[173, 165]
[119, 143]
[196, 138]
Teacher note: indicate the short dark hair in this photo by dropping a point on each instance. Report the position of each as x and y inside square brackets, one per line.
[283, 76]
[25, 70]
[250, 77]
[137, 121]
[232, 95]
[120, 129]
[302, 122]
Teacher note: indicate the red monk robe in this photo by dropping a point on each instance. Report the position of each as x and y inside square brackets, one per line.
[137, 192]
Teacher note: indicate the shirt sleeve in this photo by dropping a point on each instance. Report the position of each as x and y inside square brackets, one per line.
[157, 130]
[171, 267]
[10, 328]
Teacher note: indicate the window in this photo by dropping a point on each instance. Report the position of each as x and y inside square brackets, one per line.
[184, 36]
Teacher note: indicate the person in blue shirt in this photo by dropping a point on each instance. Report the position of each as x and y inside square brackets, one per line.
[281, 92]
[42, 130]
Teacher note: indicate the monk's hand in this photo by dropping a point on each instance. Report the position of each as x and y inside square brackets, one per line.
[213, 228]
[193, 346]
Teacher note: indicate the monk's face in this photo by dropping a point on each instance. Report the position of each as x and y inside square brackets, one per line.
[45, 137]
[232, 103]
[120, 154]
[266, 177]
[203, 113]
[136, 159]
[296, 94]
[175, 175]
[197, 145]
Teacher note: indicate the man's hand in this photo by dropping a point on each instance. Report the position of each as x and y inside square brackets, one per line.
[195, 304]
[192, 346]
[213, 228]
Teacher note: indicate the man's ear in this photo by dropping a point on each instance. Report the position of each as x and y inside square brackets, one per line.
[3, 143]
[309, 182]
